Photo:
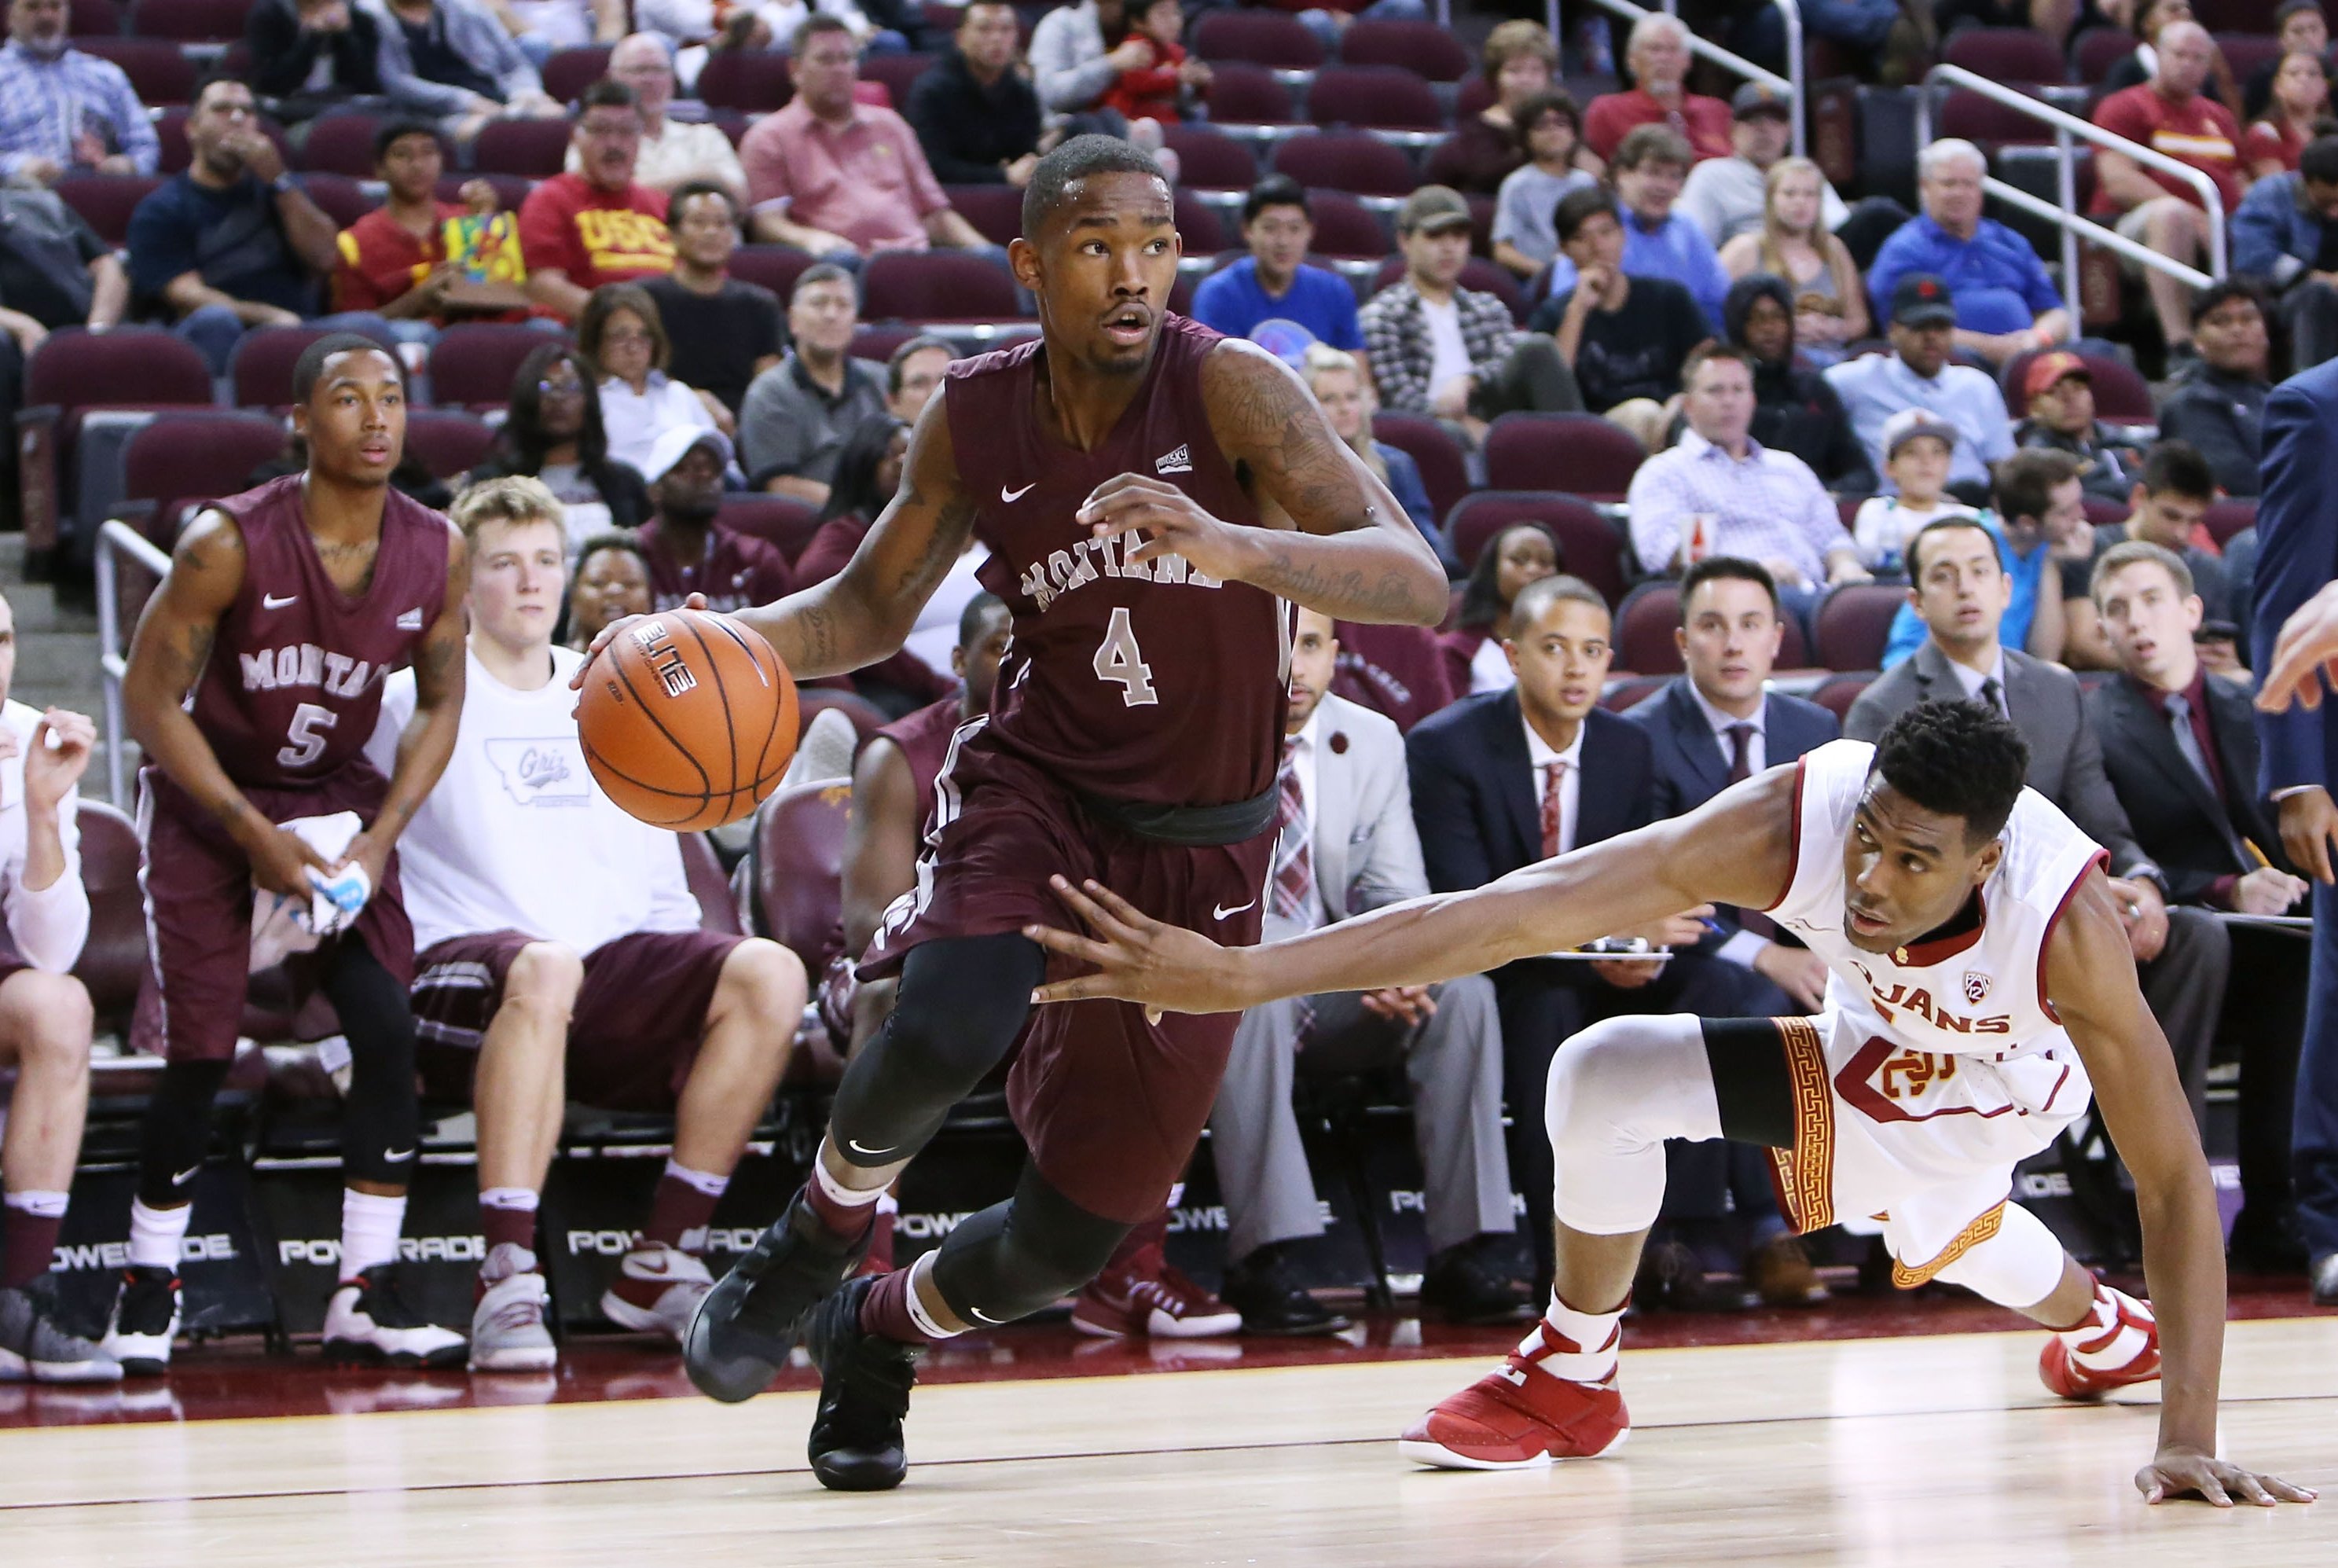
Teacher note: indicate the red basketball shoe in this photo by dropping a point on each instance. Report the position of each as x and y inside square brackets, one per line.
[1521, 1416]
[2131, 1326]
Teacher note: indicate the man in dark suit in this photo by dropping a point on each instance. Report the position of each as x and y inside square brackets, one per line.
[1960, 589]
[1508, 778]
[2180, 746]
[1715, 725]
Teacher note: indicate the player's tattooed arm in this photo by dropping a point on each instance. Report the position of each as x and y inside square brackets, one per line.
[865, 611]
[167, 651]
[2090, 981]
[1737, 848]
[428, 738]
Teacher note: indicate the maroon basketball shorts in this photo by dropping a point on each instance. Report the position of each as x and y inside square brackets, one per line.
[1110, 1106]
[632, 1036]
[198, 886]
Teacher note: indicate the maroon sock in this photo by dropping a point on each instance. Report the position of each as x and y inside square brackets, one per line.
[844, 1221]
[516, 1226]
[678, 1209]
[1140, 1251]
[31, 1247]
[884, 1310]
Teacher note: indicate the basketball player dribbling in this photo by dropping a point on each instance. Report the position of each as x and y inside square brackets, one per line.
[284, 609]
[1981, 983]
[1151, 494]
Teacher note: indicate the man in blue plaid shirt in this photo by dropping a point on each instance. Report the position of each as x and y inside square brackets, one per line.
[63, 111]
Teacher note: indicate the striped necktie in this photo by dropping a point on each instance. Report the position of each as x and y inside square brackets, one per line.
[1294, 855]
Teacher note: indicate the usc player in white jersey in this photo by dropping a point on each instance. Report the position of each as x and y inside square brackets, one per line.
[1982, 989]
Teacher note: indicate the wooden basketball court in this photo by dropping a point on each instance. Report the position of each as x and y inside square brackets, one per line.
[1938, 1451]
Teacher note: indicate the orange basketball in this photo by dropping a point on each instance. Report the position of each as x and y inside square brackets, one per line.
[688, 720]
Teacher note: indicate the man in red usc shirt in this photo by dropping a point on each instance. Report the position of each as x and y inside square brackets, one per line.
[394, 260]
[578, 232]
[2170, 114]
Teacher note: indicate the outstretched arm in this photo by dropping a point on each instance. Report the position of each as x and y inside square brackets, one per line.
[864, 613]
[1737, 848]
[2091, 983]
[1330, 536]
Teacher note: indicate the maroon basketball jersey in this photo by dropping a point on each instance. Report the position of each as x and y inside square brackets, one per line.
[1154, 682]
[294, 681]
[924, 737]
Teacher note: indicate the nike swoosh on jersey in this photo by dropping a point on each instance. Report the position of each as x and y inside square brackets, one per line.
[1011, 496]
[271, 602]
[1220, 911]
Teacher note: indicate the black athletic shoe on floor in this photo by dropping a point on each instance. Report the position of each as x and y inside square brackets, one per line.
[740, 1335]
[1265, 1289]
[864, 1392]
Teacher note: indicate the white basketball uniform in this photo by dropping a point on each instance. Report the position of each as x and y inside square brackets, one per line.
[1935, 1068]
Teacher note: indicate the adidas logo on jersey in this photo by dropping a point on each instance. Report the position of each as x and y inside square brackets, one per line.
[1180, 461]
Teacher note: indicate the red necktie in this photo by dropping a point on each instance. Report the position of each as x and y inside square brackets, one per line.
[1740, 752]
[1552, 773]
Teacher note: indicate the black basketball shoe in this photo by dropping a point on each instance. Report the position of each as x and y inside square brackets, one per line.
[740, 1335]
[864, 1392]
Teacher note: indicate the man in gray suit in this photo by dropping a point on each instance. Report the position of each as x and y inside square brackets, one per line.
[1960, 590]
[1348, 845]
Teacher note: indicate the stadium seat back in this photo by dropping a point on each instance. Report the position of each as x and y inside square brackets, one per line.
[1853, 624]
[1423, 49]
[1350, 161]
[1271, 38]
[1588, 545]
[473, 363]
[1582, 453]
[799, 865]
[1385, 97]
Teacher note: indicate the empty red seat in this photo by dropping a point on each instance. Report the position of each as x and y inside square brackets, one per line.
[1248, 94]
[340, 144]
[106, 201]
[995, 211]
[773, 267]
[1853, 624]
[1423, 49]
[752, 82]
[198, 454]
[94, 19]
[1628, 691]
[937, 286]
[535, 148]
[1197, 224]
[2011, 54]
[1581, 454]
[342, 199]
[799, 866]
[896, 73]
[473, 364]
[877, 343]
[788, 525]
[568, 72]
[1444, 473]
[1643, 630]
[1984, 119]
[189, 21]
[1837, 692]
[1268, 38]
[1385, 96]
[2229, 516]
[447, 441]
[113, 958]
[1347, 160]
[1210, 160]
[160, 74]
[1345, 229]
[72, 372]
[1588, 545]
[2100, 48]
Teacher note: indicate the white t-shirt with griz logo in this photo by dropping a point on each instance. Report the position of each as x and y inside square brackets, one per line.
[516, 836]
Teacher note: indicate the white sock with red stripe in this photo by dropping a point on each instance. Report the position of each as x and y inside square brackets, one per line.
[2109, 1339]
[1579, 1346]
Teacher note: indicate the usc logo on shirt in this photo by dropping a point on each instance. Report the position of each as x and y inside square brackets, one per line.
[618, 241]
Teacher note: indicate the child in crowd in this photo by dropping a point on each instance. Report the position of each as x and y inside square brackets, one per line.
[1917, 444]
[1164, 90]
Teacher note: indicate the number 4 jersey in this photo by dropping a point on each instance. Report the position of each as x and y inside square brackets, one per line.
[294, 683]
[1147, 681]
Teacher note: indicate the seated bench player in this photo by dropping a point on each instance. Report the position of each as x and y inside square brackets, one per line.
[560, 954]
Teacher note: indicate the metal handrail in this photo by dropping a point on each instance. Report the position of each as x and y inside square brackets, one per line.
[1790, 84]
[2065, 216]
[112, 657]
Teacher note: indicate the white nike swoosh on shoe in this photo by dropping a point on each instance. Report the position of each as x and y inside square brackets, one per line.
[859, 1147]
[986, 1317]
[1220, 911]
[1011, 496]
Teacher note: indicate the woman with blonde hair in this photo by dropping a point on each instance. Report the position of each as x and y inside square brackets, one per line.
[1792, 243]
[1338, 381]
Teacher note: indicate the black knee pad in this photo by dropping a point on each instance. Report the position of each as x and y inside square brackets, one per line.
[961, 1003]
[177, 1133]
[1016, 1258]
[381, 1117]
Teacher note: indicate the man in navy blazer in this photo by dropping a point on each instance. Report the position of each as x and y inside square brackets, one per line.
[2297, 557]
[1504, 779]
[1711, 727]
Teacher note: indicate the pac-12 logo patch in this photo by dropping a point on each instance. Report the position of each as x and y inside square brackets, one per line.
[1977, 986]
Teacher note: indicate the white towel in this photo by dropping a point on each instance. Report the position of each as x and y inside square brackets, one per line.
[282, 925]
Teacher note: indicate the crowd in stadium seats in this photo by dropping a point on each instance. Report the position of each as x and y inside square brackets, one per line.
[1694, 424]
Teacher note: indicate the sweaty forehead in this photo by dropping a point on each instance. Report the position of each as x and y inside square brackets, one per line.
[1118, 197]
[359, 367]
[1894, 818]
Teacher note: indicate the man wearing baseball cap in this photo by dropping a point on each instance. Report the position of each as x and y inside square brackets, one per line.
[2060, 392]
[1447, 353]
[1724, 195]
[687, 550]
[1917, 374]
